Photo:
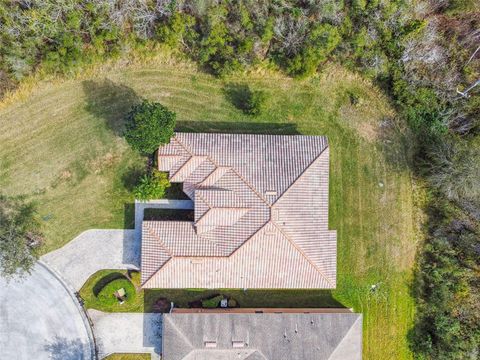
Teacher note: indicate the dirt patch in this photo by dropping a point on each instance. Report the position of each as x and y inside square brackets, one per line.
[355, 117]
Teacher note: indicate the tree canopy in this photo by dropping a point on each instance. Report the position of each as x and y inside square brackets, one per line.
[149, 125]
[19, 237]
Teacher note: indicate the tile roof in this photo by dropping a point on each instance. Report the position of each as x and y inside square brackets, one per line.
[292, 336]
[261, 214]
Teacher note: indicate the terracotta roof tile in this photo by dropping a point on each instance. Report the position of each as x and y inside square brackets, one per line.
[261, 215]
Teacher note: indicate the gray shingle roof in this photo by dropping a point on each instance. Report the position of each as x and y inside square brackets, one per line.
[293, 336]
[261, 214]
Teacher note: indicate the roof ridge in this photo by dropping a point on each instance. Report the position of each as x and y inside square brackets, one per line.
[250, 186]
[249, 239]
[203, 198]
[155, 272]
[182, 144]
[172, 323]
[191, 158]
[162, 245]
[303, 254]
[300, 175]
[231, 168]
[344, 336]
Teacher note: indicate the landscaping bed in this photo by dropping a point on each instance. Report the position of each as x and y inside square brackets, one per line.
[99, 291]
[106, 282]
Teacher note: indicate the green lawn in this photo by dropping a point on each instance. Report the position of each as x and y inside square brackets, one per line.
[98, 291]
[60, 146]
[128, 357]
[145, 301]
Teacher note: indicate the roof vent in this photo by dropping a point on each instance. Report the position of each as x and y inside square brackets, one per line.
[270, 193]
[210, 344]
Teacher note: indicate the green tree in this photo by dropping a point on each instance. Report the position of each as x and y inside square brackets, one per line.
[149, 125]
[320, 42]
[19, 237]
[152, 186]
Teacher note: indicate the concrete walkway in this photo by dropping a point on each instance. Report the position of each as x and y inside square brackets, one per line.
[95, 250]
[127, 333]
[40, 319]
[140, 207]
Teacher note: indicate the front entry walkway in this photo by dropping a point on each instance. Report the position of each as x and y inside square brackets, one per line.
[95, 250]
[127, 333]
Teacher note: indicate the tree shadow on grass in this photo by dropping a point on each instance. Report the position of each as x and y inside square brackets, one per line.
[238, 94]
[64, 349]
[110, 102]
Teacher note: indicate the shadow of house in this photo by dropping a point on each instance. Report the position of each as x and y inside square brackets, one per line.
[64, 349]
[110, 102]
[262, 298]
[152, 331]
[246, 127]
[131, 250]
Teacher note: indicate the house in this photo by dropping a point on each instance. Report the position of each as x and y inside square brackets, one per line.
[264, 336]
[260, 215]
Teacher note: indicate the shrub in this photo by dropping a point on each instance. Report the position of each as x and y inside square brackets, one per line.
[212, 303]
[152, 186]
[447, 291]
[454, 169]
[179, 30]
[149, 125]
[322, 39]
[232, 303]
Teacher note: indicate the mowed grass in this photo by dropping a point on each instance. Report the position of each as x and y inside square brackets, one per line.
[61, 146]
[128, 357]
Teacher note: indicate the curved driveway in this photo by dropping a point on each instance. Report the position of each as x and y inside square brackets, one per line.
[39, 319]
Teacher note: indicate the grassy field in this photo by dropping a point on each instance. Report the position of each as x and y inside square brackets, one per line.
[61, 146]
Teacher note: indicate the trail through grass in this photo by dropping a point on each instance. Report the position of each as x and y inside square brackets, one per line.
[61, 146]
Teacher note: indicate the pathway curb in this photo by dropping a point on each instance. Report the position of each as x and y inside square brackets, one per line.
[81, 309]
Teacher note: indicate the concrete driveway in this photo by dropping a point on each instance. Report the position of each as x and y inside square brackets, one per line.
[127, 333]
[39, 319]
[95, 250]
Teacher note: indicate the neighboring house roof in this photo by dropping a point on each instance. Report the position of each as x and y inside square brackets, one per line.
[204, 336]
[261, 214]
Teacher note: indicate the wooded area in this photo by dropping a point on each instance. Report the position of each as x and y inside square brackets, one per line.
[424, 54]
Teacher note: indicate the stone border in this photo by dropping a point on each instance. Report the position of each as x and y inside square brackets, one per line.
[81, 309]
